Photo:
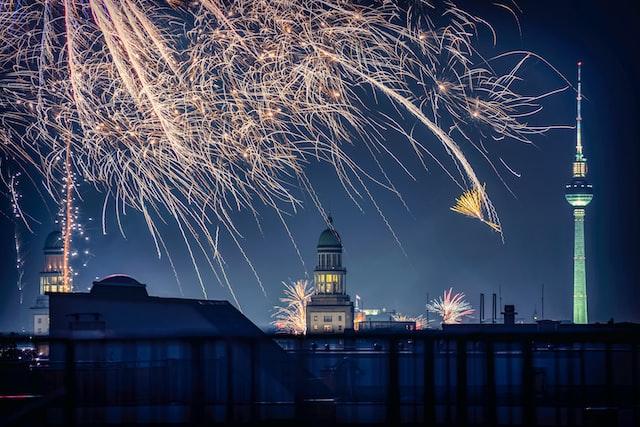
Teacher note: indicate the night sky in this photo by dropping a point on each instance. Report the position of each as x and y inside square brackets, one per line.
[442, 249]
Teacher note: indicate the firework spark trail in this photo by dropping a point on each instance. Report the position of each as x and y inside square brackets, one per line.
[451, 307]
[20, 223]
[206, 109]
[17, 214]
[68, 220]
[292, 315]
[19, 265]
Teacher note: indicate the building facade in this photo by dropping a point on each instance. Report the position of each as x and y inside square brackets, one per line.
[51, 280]
[579, 193]
[330, 309]
[368, 319]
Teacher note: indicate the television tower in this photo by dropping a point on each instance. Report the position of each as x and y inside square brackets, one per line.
[579, 194]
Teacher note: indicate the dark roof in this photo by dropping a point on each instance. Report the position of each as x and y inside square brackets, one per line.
[118, 283]
[329, 238]
[118, 279]
[128, 310]
[53, 241]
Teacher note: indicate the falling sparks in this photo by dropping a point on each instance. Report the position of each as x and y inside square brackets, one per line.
[68, 223]
[201, 110]
[472, 203]
[75, 240]
[20, 226]
[452, 308]
[291, 317]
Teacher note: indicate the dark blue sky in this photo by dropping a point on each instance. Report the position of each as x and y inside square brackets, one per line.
[443, 249]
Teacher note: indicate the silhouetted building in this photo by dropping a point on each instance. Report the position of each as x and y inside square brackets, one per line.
[119, 305]
[330, 309]
[134, 351]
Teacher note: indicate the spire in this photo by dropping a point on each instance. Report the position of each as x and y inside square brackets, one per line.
[580, 163]
[579, 116]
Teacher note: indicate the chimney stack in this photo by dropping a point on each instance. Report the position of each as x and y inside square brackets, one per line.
[509, 314]
[494, 315]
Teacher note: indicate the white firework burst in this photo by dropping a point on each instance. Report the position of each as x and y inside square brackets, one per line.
[291, 317]
[452, 308]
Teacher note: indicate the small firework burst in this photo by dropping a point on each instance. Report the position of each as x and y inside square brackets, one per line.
[472, 203]
[451, 307]
[292, 315]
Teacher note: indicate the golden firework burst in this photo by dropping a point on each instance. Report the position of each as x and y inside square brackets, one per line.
[473, 203]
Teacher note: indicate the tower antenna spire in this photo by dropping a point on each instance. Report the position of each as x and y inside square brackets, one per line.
[579, 115]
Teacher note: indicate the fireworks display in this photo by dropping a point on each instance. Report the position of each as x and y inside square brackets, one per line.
[452, 308]
[199, 110]
[291, 317]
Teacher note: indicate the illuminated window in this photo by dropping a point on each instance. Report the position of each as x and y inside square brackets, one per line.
[315, 318]
[327, 328]
[315, 327]
[329, 287]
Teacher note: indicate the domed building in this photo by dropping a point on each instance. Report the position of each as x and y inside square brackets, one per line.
[51, 280]
[330, 309]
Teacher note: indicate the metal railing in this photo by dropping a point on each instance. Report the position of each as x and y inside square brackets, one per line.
[425, 377]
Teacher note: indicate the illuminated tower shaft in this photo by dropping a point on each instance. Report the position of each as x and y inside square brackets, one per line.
[68, 218]
[579, 194]
[579, 269]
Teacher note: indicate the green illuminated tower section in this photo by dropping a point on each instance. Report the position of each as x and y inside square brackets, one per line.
[579, 194]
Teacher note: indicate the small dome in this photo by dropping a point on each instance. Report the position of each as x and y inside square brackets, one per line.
[54, 241]
[118, 280]
[330, 238]
[119, 286]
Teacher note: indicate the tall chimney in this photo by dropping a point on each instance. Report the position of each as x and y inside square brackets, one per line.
[494, 314]
[481, 308]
